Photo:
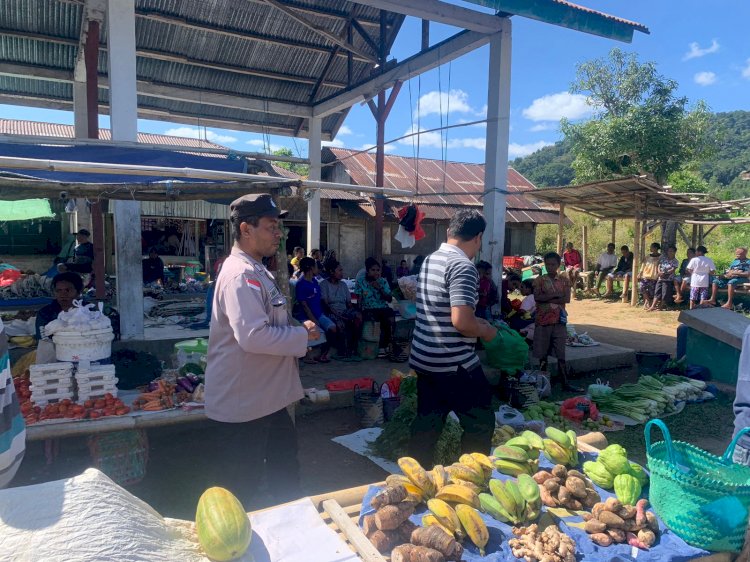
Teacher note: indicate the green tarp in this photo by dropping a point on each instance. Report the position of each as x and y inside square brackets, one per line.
[25, 210]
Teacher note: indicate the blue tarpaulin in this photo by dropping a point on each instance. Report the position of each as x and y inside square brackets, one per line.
[116, 155]
[668, 547]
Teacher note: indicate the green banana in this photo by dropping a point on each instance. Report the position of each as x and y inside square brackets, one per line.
[529, 489]
[559, 437]
[489, 504]
[504, 498]
[513, 468]
[534, 440]
[519, 441]
[556, 453]
[510, 453]
[512, 488]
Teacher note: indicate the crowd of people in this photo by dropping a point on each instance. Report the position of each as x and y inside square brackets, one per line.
[662, 278]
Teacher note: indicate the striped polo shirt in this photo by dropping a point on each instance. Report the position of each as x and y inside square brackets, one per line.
[12, 426]
[447, 278]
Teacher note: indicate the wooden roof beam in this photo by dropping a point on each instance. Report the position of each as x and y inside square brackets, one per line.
[441, 12]
[437, 55]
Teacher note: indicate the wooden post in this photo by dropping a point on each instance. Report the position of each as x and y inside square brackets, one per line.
[636, 253]
[585, 247]
[613, 238]
[560, 225]
[694, 236]
[700, 235]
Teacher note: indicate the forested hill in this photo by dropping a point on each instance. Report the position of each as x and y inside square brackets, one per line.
[551, 165]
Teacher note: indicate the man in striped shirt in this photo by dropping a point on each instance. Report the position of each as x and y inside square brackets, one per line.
[450, 376]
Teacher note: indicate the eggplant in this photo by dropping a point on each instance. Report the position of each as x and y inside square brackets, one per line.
[153, 385]
[186, 384]
[195, 379]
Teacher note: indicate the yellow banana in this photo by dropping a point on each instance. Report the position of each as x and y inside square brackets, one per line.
[415, 493]
[459, 471]
[474, 526]
[485, 462]
[458, 494]
[556, 452]
[476, 489]
[446, 516]
[440, 476]
[418, 475]
[429, 520]
[472, 463]
[397, 480]
[513, 468]
[508, 429]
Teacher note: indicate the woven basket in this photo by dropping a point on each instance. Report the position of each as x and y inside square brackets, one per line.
[368, 404]
[702, 498]
[121, 455]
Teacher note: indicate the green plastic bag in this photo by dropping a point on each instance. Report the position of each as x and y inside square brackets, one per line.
[508, 351]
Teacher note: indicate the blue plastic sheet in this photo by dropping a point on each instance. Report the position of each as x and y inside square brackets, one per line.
[668, 548]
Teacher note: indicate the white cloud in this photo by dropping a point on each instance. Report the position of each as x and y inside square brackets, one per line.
[554, 107]
[515, 150]
[746, 70]
[434, 139]
[543, 127]
[704, 78]
[695, 51]
[336, 143]
[261, 145]
[204, 134]
[439, 103]
[344, 130]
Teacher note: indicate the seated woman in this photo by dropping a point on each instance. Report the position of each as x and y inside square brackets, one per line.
[309, 307]
[668, 266]
[66, 287]
[648, 275]
[374, 294]
[153, 268]
[337, 304]
[523, 319]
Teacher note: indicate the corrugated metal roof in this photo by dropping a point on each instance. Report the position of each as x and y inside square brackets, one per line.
[436, 183]
[248, 48]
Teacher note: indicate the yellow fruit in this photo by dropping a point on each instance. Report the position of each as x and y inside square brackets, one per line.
[440, 476]
[397, 480]
[418, 475]
[485, 462]
[472, 463]
[474, 526]
[429, 520]
[454, 493]
[446, 515]
[415, 493]
[462, 472]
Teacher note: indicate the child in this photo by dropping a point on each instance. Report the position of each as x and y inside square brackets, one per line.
[701, 267]
[487, 291]
[309, 306]
[523, 320]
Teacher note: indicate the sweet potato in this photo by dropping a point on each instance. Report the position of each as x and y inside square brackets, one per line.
[437, 539]
[542, 476]
[592, 498]
[388, 496]
[602, 539]
[618, 535]
[633, 540]
[547, 499]
[611, 520]
[647, 537]
[597, 509]
[626, 512]
[593, 526]
[560, 472]
[412, 553]
[390, 517]
[574, 505]
[576, 474]
[564, 496]
[552, 485]
[577, 486]
[612, 504]
[652, 521]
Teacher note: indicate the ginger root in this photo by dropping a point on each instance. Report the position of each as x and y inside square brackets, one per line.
[549, 546]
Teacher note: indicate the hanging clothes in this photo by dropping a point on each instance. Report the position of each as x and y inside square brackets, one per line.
[409, 230]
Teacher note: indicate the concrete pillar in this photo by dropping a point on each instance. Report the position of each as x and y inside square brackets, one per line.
[496, 151]
[123, 99]
[313, 204]
[80, 111]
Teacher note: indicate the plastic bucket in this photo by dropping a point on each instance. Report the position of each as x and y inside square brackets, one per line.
[75, 346]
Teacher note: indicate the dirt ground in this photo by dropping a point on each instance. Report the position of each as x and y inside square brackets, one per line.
[177, 461]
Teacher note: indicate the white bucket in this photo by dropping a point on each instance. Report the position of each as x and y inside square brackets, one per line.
[74, 346]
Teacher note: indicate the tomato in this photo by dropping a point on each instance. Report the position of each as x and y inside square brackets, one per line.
[26, 408]
[109, 396]
[109, 411]
[122, 411]
[88, 404]
[78, 409]
[94, 414]
[99, 404]
[79, 416]
[37, 410]
[66, 402]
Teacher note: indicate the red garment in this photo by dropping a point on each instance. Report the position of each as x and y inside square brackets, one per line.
[572, 258]
[418, 231]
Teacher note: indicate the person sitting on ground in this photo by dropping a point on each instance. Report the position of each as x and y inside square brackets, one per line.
[309, 307]
[668, 266]
[337, 304]
[297, 254]
[623, 272]
[373, 295]
[317, 256]
[551, 294]
[487, 291]
[523, 320]
[511, 283]
[700, 268]
[684, 276]
[738, 273]
[82, 260]
[573, 264]
[153, 268]
[649, 274]
[402, 270]
[605, 265]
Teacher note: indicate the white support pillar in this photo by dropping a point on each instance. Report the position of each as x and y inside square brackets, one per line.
[313, 204]
[496, 151]
[123, 99]
[80, 110]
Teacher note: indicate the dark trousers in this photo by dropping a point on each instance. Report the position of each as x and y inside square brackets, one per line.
[469, 395]
[386, 318]
[246, 452]
[663, 290]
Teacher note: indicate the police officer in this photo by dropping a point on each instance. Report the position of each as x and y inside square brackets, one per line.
[252, 371]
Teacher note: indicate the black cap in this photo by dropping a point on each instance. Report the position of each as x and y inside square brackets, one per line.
[84, 232]
[256, 205]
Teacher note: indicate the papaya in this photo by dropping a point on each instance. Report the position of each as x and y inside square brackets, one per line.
[222, 525]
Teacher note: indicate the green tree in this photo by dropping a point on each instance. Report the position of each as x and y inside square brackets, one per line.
[299, 169]
[641, 125]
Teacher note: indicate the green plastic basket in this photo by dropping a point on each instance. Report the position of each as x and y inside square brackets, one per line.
[702, 498]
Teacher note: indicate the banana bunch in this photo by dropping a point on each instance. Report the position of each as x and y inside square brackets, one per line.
[22, 341]
[561, 447]
[513, 501]
[502, 434]
[519, 455]
[474, 526]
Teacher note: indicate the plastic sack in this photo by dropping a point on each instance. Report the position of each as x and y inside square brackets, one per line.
[576, 408]
[507, 415]
[599, 389]
[507, 351]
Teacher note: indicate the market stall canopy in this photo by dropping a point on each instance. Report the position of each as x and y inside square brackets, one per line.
[253, 65]
[25, 210]
[620, 198]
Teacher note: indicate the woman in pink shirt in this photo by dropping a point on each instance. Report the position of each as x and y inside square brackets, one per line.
[573, 264]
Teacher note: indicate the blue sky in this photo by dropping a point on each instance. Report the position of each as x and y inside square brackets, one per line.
[702, 45]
